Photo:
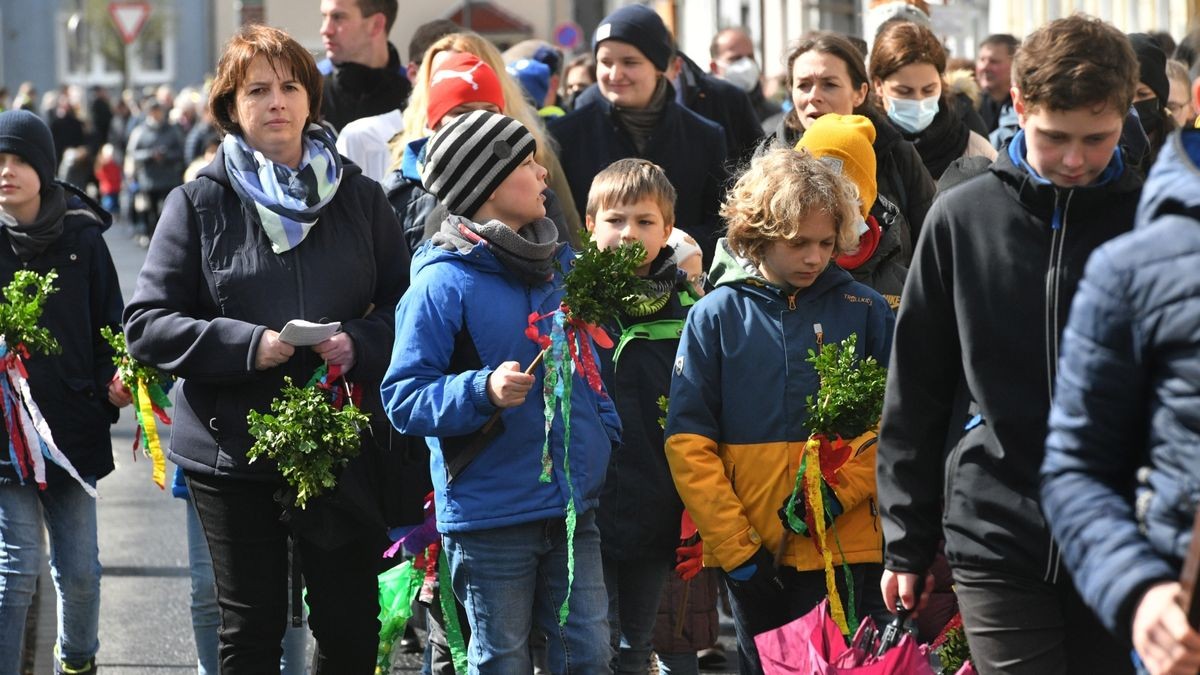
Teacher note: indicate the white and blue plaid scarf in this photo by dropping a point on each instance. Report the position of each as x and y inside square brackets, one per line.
[287, 201]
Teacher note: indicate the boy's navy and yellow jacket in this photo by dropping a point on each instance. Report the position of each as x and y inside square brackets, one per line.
[736, 424]
[639, 507]
[469, 301]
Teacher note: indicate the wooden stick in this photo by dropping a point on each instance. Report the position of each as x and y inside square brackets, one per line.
[1189, 599]
[783, 544]
[487, 426]
[679, 616]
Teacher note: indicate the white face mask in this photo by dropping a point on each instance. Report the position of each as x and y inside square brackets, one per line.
[913, 116]
[742, 73]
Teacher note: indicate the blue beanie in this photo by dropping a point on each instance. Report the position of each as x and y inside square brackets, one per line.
[25, 135]
[641, 27]
[534, 77]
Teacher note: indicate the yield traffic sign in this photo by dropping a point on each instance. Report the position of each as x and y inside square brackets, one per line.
[129, 18]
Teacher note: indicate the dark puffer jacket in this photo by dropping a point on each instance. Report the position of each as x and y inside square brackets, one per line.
[71, 388]
[1126, 398]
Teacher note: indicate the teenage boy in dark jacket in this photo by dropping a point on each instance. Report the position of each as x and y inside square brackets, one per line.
[47, 226]
[976, 345]
[1125, 406]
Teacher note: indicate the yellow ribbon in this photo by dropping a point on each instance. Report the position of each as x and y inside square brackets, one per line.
[816, 506]
[150, 433]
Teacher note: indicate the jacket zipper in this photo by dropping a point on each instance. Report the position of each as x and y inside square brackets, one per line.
[1058, 235]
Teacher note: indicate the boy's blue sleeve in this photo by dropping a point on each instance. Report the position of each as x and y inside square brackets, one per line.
[419, 394]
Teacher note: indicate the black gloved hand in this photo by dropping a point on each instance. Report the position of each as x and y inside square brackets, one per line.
[756, 580]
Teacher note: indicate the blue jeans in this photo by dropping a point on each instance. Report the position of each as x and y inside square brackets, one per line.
[206, 615]
[635, 589]
[507, 577]
[69, 514]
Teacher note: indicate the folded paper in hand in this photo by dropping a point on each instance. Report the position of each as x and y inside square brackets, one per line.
[301, 333]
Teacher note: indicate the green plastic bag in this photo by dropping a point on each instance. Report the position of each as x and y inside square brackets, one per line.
[398, 587]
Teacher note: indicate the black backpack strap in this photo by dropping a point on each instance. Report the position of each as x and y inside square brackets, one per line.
[459, 451]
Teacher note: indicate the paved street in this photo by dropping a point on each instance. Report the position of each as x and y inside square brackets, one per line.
[145, 624]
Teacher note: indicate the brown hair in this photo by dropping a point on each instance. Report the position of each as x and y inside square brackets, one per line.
[389, 8]
[904, 43]
[630, 180]
[1074, 62]
[777, 192]
[281, 51]
[835, 45]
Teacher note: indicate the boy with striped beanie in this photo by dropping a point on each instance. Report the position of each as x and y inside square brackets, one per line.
[519, 526]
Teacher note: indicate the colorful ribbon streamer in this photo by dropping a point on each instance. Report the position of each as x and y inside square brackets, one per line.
[149, 403]
[30, 442]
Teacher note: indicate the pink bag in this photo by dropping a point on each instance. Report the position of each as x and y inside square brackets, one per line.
[813, 645]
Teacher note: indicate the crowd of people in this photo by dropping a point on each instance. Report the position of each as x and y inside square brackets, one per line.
[1011, 243]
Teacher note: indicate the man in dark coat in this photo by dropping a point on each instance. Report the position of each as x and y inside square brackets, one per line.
[364, 74]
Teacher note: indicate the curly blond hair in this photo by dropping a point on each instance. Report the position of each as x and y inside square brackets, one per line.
[777, 192]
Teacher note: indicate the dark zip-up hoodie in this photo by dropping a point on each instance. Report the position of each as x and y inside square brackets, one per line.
[972, 367]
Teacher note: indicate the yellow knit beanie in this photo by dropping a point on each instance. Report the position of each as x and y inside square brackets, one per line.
[845, 143]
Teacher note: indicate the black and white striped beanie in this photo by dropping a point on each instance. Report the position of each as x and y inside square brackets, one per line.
[468, 158]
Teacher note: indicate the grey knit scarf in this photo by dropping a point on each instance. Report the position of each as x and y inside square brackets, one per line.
[529, 253]
[31, 239]
[640, 123]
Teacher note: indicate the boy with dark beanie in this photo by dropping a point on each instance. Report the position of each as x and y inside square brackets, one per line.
[51, 226]
[516, 509]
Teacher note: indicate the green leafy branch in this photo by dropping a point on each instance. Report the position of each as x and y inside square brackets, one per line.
[850, 399]
[25, 298]
[128, 368]
[602, 281]
[307, 437]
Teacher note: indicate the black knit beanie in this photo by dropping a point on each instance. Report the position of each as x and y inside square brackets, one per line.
[467, 159]
[1153, 65]
[24, 134]
[641, 27]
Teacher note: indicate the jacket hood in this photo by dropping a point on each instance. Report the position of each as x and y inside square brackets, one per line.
[414, 156]
[730, 269]
[1174, 182]
[80, 204]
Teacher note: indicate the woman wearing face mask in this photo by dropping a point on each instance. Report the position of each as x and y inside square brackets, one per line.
[826, 74]
[1151, 96]
[907, 69]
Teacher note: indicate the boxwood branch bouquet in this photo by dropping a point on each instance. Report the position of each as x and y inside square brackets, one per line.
[30, 442]
[311, 432]
[148, 386]
[847, 405]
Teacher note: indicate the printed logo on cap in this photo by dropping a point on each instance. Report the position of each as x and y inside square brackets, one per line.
[502, 149]
[603, 32]
[464, 75]
[835, 163]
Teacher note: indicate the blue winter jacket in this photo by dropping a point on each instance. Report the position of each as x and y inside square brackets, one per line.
[461, 302]
[737, 415]
[1121, 477]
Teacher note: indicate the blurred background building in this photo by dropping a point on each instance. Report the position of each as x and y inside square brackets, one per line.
[55, 42]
